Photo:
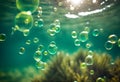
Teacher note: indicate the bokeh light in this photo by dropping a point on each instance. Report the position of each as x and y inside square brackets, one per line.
[2, 37]
[24, 21]
[27, 5]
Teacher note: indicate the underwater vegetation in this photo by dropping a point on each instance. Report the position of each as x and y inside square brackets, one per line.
[46, 34]
[76, 68]
[82, 66]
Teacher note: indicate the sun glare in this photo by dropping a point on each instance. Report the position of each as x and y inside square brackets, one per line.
[75, 2]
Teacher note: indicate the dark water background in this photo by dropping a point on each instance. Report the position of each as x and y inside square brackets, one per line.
[108, 20]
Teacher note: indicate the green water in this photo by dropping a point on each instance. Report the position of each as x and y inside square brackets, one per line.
[59, 27]
[108, 21]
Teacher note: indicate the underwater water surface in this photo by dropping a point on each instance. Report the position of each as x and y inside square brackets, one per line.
[37, 30]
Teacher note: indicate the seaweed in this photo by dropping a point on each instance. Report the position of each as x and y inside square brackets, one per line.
[67, 68]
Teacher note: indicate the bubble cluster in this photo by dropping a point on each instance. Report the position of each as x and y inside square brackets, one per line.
[39, 10]
[90, 52]
[22, 50]
[83, 36]
[87, 29]
[83, 65]
[101, 30]
[74, 34]
[108, 45]
[40, 65]
[2, 37]
[91, 72]
[57, 29]
[24, 21]
[55, 9]
[89, 60]
[57, 22]
[88, 45]
[35, 40]
[39, 23]
[54, 28]
[41, 48]
[113, 38]
[45, 53]
[118, 42]
[28, 42]
[14, 29]
[95, 32]
[26, 32]
[37, 56]
[99, 79]
[51, 32]
[52, 48]
[27, 5]
[77, 42]
[53, 43]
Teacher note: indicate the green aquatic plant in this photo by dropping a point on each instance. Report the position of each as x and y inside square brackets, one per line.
[25, 74]
[68, 68]
[72, 68]
[115, 71]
